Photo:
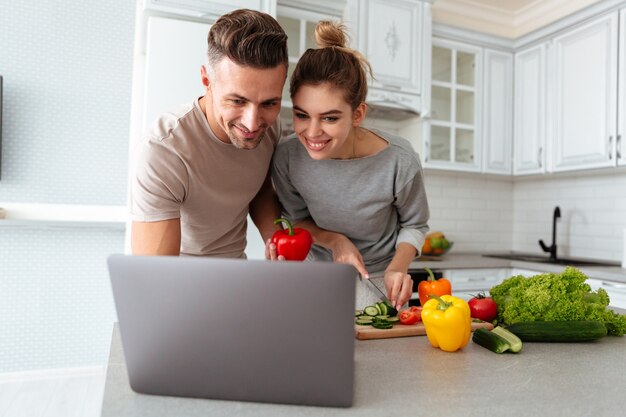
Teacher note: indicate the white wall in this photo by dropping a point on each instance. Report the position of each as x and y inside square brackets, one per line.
[501, 214]
[593, 213]
[475, 212]
[67, 68]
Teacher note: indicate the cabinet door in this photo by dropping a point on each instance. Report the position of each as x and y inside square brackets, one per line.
[466, 282]
[585, 95]
[390, 36]
[453, 140]
[175, 51]
[620, 146]
[529, 135]
[616, 291]
[497, 112]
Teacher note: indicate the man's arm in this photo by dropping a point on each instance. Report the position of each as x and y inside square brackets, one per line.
[264, 209]
[156, 238]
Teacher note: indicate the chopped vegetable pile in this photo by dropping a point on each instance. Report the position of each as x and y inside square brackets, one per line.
[555, 297]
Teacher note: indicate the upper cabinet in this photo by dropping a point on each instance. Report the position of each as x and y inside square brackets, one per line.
[470, 124]
[584, 99]
[455, 107]
[530, 110]
[394, 36]
[497, 129]
[620, 146]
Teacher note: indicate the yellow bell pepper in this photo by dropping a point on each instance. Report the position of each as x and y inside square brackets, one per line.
[447, 320]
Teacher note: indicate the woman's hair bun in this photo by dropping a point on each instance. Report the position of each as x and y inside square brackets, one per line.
[328, 33]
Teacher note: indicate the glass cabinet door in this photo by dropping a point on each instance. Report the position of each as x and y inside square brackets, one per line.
[300, 28]
[453, 102]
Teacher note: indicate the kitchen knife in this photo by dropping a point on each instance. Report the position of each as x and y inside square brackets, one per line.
[378, 291]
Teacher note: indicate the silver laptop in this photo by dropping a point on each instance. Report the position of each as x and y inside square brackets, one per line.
[278, 332]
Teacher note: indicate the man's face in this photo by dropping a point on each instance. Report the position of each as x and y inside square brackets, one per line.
[242, 102]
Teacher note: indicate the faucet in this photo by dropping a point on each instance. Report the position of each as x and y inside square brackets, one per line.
[552, 248]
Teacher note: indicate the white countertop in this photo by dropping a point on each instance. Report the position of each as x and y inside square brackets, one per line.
[454, 260]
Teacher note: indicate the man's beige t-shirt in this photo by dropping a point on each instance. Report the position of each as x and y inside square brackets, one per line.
[182, 170]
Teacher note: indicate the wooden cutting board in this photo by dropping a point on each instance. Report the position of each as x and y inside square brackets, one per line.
[403, 330]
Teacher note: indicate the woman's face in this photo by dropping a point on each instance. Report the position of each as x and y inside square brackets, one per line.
[324, 122]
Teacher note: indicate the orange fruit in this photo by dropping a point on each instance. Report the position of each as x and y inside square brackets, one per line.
[427, 249]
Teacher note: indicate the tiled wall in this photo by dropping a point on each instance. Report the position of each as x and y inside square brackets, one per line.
[56, 307]
[474, 212]
[67, 68]
[500, 214]
[593, 213]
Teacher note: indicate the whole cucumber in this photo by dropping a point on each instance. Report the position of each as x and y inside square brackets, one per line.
[558, 331]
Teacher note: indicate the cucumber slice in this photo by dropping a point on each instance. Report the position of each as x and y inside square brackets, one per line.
[382, 316]
[380, 311]
[393, 319]
[371, 311]
[362, 322]
[382, 307]
[365, 318]
[358, 313]
[385, 325]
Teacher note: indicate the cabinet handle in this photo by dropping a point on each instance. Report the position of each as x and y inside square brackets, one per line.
[539, 152]
[610, 149]
[618, 147]
[426, 151]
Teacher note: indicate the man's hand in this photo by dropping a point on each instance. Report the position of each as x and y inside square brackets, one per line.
[345, 252]
[399, 287]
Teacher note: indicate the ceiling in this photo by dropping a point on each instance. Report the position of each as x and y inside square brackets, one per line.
[506, 18]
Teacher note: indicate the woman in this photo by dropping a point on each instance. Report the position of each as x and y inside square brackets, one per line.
[359, 192]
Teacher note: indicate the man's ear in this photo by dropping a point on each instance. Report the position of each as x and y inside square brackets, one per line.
[359, 114]
[204, 77]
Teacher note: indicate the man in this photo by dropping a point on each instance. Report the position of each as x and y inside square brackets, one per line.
[204, 167]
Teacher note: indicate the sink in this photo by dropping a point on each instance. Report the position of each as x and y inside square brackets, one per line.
[546, 260]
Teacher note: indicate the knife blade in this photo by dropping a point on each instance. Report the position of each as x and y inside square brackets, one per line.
[381, 294]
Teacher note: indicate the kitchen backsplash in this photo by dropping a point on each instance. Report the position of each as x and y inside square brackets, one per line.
[475, 213]
[593, 214]
[492, 214]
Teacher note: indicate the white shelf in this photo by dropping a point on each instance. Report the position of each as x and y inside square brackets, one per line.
[33, 215]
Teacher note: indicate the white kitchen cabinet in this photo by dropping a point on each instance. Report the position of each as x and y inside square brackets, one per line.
[208, 10]
[584, 96]
[299, 24]
[620, 146]
[175, 51]
[468, 282]
[530, 95]
[616, 291]
[497, 139]
[394, 37]
[452, 140]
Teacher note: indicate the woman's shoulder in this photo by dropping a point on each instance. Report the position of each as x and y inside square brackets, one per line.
[400, 147]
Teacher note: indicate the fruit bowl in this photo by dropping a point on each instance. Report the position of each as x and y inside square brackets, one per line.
[436, 244]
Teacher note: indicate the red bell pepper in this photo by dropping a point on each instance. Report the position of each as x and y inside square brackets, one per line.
[293, 244]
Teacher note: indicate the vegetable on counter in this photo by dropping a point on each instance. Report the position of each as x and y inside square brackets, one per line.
[555, 297]
[408, 317]
[490, 340]
[483, 307]
[293, 244]
[559, 331]
[447, 322]
[514, 342]
[434, 286]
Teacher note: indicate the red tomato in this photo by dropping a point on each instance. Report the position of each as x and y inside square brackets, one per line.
[418, 312]
[408, 317]
[483, 307]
